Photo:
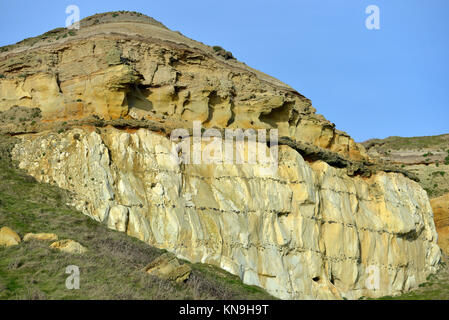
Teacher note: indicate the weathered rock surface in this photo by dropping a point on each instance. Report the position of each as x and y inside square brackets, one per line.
[9, 237]
[440, 208]
[40, 237]
[68, 246]
[428, 159]
[307, 231]
[117, 68]
[168, 267]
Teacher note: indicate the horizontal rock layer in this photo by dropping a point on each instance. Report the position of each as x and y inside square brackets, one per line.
[306, 231]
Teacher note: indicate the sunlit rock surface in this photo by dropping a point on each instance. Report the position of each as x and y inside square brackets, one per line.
[93, 109]
[129, 66]
[306, 231]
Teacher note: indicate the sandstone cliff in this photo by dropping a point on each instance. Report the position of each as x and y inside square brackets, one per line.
[440, 207]
[428, 159]
[101, 102]
[128, 66]
[309, 231]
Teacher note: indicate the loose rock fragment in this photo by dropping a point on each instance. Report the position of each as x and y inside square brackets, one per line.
[40, 237]
[9, 237]
[69, 246]
[168, 267]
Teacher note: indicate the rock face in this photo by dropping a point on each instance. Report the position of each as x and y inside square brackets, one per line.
[307, 231]
[8, 237]
[428, 159]
[317, 227]
[143, 70]
[440, 208]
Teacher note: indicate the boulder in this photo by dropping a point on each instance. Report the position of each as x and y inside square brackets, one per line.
[9, 237]
[40, 237]
[68, 246]
[168, 267]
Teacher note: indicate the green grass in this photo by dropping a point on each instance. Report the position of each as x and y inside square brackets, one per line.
[112, 267]
[397, 143]
[427, 291]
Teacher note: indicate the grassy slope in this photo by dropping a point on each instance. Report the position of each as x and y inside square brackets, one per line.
[397, 143]
[110, 270]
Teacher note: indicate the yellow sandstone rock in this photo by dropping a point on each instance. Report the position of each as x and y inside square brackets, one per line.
[440, 208]
[68, 246]
[40, 237]
[144, 70]
[306, 231]
[8, 237]
[168, 267]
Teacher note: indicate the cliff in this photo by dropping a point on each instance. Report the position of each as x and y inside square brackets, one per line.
[428, 159]
[440, 207]
[97, 106]
[128, 67]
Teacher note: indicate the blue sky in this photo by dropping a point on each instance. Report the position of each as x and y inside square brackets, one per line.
[370, 83]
